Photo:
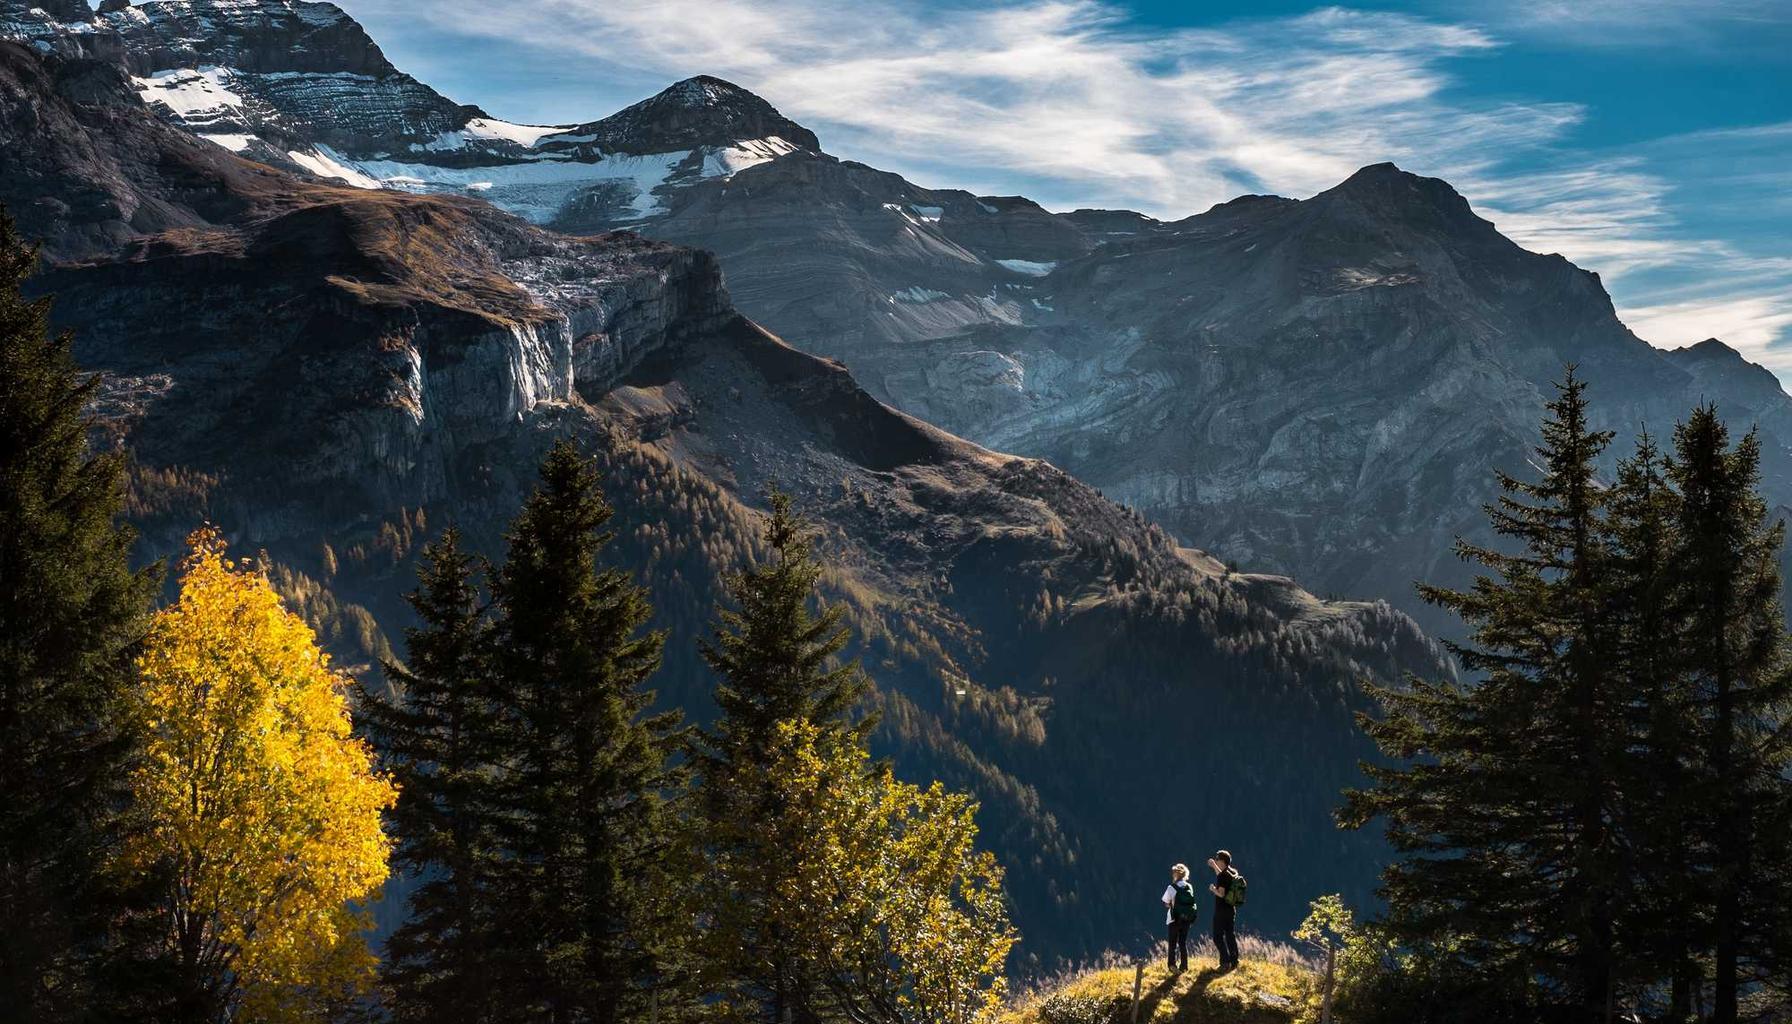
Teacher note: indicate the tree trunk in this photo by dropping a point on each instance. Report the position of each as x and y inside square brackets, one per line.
[1723, 1008]
[1731, 858]
[1325, 1004]
[1680, 994]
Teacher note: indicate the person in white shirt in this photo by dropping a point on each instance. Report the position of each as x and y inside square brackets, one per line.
[1179, 915]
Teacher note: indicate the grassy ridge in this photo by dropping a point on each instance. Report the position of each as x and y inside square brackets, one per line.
[1274, 985]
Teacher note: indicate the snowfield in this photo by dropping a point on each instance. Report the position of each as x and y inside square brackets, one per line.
[540, 187]
[196, 96]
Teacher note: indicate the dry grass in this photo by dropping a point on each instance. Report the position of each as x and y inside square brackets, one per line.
[1275, 985]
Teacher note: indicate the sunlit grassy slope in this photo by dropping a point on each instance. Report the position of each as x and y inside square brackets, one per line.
[1273, 986]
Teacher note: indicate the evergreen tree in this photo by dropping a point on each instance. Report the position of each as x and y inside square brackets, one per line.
[776, 661]
[776, 665]
[71, 612]
[437, 737]
[1665, 921]
[1503, 810]
[585, 824]
[1741, 685]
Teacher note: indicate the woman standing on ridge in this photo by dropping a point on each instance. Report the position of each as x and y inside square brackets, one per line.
[1179, 914]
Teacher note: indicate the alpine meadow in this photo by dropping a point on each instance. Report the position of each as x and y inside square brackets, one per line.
[1320, 560]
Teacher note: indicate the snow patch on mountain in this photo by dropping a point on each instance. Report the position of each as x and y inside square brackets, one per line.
[325, 163]
[916, 293]
[540, 188]
[236, 143]
[1031, 268]
[727, 161]
[916, 216]
[197, 96]
[488, 129]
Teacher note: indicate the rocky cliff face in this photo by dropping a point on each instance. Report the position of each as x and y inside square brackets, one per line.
[1324, 388]
[332, 373]
[1329, 385]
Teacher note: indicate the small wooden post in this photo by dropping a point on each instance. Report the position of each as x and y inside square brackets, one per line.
[1138, 983]
[1325, 1005]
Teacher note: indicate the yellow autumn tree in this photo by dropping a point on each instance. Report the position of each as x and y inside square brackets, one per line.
[259, 807]
[902, 917]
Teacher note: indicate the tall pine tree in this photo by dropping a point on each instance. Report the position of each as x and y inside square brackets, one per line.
[71, 612]
[1503, 810]
[776, 662]
[1665, 921]
[437, 737]
[585, 826]
[1735, 643]
[775, 659]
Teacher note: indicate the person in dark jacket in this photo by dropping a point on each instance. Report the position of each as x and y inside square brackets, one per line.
[1179, 914]
[1225, 915]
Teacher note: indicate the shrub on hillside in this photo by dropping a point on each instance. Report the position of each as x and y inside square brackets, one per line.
[1079, 1008]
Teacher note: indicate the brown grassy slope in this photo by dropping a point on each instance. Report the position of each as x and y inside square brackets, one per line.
[1273, 986]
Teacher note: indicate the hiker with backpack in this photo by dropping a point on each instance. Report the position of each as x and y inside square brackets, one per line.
[1179, 913]
[1228, 890]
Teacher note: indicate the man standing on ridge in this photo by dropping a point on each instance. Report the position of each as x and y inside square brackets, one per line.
[1179, 914]
[1228, 892]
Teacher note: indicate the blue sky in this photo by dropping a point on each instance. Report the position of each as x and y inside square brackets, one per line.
[1648, 140]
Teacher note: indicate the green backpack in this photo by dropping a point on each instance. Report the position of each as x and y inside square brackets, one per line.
[1182, 907]
[1235, 891]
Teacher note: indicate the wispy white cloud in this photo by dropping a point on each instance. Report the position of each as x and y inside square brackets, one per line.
[1067, 94]
[1073, 103]
[1750, 324]
[1635, 23]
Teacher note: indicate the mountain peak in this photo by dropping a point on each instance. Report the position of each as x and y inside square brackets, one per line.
[705, 91]
[1387, 181]
[1387, 192]
[1716, 363]
[699, 111]
[1710, 348]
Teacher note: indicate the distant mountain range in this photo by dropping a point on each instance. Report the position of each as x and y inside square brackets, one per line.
[1319, 388]
[1322, 388]
[332, 373]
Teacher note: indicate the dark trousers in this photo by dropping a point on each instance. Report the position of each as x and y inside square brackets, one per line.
[1225, 940]
[1179, 944]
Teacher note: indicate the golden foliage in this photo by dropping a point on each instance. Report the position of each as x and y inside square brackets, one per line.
[350, 630]
[884, 886]
[152, 491]
[255, 795]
